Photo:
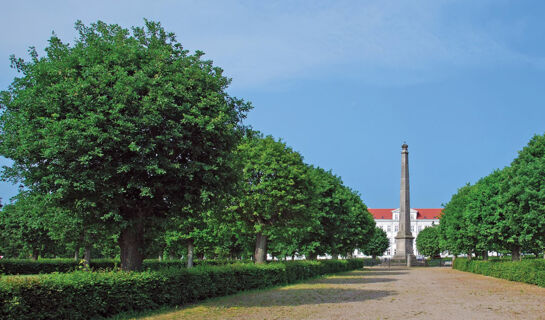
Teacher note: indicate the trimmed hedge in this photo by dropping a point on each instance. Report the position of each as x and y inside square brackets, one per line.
[27, 266]
[87, 295]
[42, 266]
[529, 271]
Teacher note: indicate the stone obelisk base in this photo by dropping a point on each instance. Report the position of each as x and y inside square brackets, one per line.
[404, 251]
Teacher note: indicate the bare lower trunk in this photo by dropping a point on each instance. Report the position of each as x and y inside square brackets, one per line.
[515, 254]
[87, 257]
[469, 255]
[292, 257]
[131, 243]
[485, 255]
[160, 257]
[312, 256]
[374, 256]
[349, 255]
[35, 254]
[260, 253]
[335, 257]
[190, 253]
[76, 255]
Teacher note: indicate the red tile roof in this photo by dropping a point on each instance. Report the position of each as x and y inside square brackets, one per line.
[381, 213]
[427, 213]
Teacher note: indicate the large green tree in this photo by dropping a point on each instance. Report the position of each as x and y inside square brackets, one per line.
[378, 243]
[276, 191]
[453, 224]
[524, 197]
[427, 242]
[122, 124]
[344, 224]
[24, 227]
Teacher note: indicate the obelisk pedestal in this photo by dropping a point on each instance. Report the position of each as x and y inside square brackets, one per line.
[404, 238]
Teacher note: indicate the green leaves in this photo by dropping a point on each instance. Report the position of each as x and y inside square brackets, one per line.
[427, 242]
[122, 120]
[378, 244]
[504, 211]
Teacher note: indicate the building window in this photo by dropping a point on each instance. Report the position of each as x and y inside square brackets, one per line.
[389, 228]
[412, 228]
[397, 229]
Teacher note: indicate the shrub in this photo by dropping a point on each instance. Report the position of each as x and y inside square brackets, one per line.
[86, 295]
[529, 271]
[42, 266]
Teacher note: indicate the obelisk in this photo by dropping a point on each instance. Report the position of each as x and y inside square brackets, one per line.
[404, 237]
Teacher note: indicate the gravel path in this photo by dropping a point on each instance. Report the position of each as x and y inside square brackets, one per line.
[376, 293]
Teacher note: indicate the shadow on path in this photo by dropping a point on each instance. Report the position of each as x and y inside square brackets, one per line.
[355, 280]
[384, 273]
[296, 297]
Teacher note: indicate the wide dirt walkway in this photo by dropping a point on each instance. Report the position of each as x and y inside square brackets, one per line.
[418, 293]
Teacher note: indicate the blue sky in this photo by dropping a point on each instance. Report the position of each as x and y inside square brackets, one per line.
[346, 82]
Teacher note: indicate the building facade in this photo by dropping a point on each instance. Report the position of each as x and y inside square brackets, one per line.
[388, 220]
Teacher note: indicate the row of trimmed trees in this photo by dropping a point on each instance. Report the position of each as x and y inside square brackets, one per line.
[502, 212]
[124, 138]
[278, 205]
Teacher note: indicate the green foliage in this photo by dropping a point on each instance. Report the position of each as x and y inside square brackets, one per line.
[529, 271]
[452, 223]
[120, 127]
[24, 227]
[343, 222]
[427, 242]
[42, 266]
[504, 211]
[87, 295]
[275, 194]
[378, 243]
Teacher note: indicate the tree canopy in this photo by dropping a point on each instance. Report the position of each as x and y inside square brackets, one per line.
[427, 242]
[122, 124]
[504, 211]
[378, 244]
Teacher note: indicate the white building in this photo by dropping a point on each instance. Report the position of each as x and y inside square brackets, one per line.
[388, 220]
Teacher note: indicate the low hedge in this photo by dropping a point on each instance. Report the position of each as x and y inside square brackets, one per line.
[27, 266]
[529, 271]
[87, 295]
[42, 266]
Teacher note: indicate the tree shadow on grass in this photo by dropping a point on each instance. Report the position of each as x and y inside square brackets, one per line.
[297, 297]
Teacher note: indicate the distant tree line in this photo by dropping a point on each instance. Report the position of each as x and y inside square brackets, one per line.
[502, 212]
[126, 144]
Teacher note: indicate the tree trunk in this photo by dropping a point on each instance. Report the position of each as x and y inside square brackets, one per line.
[293, 257]
[190, 253]
[76, 255]
[469, 255]
[35, 254]
[374, 256]
[160, 257]
[349, 255]
[312, 256]
[87, 257]
[515, 254]
[485, 255]
[131, 243]
[260, 253]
